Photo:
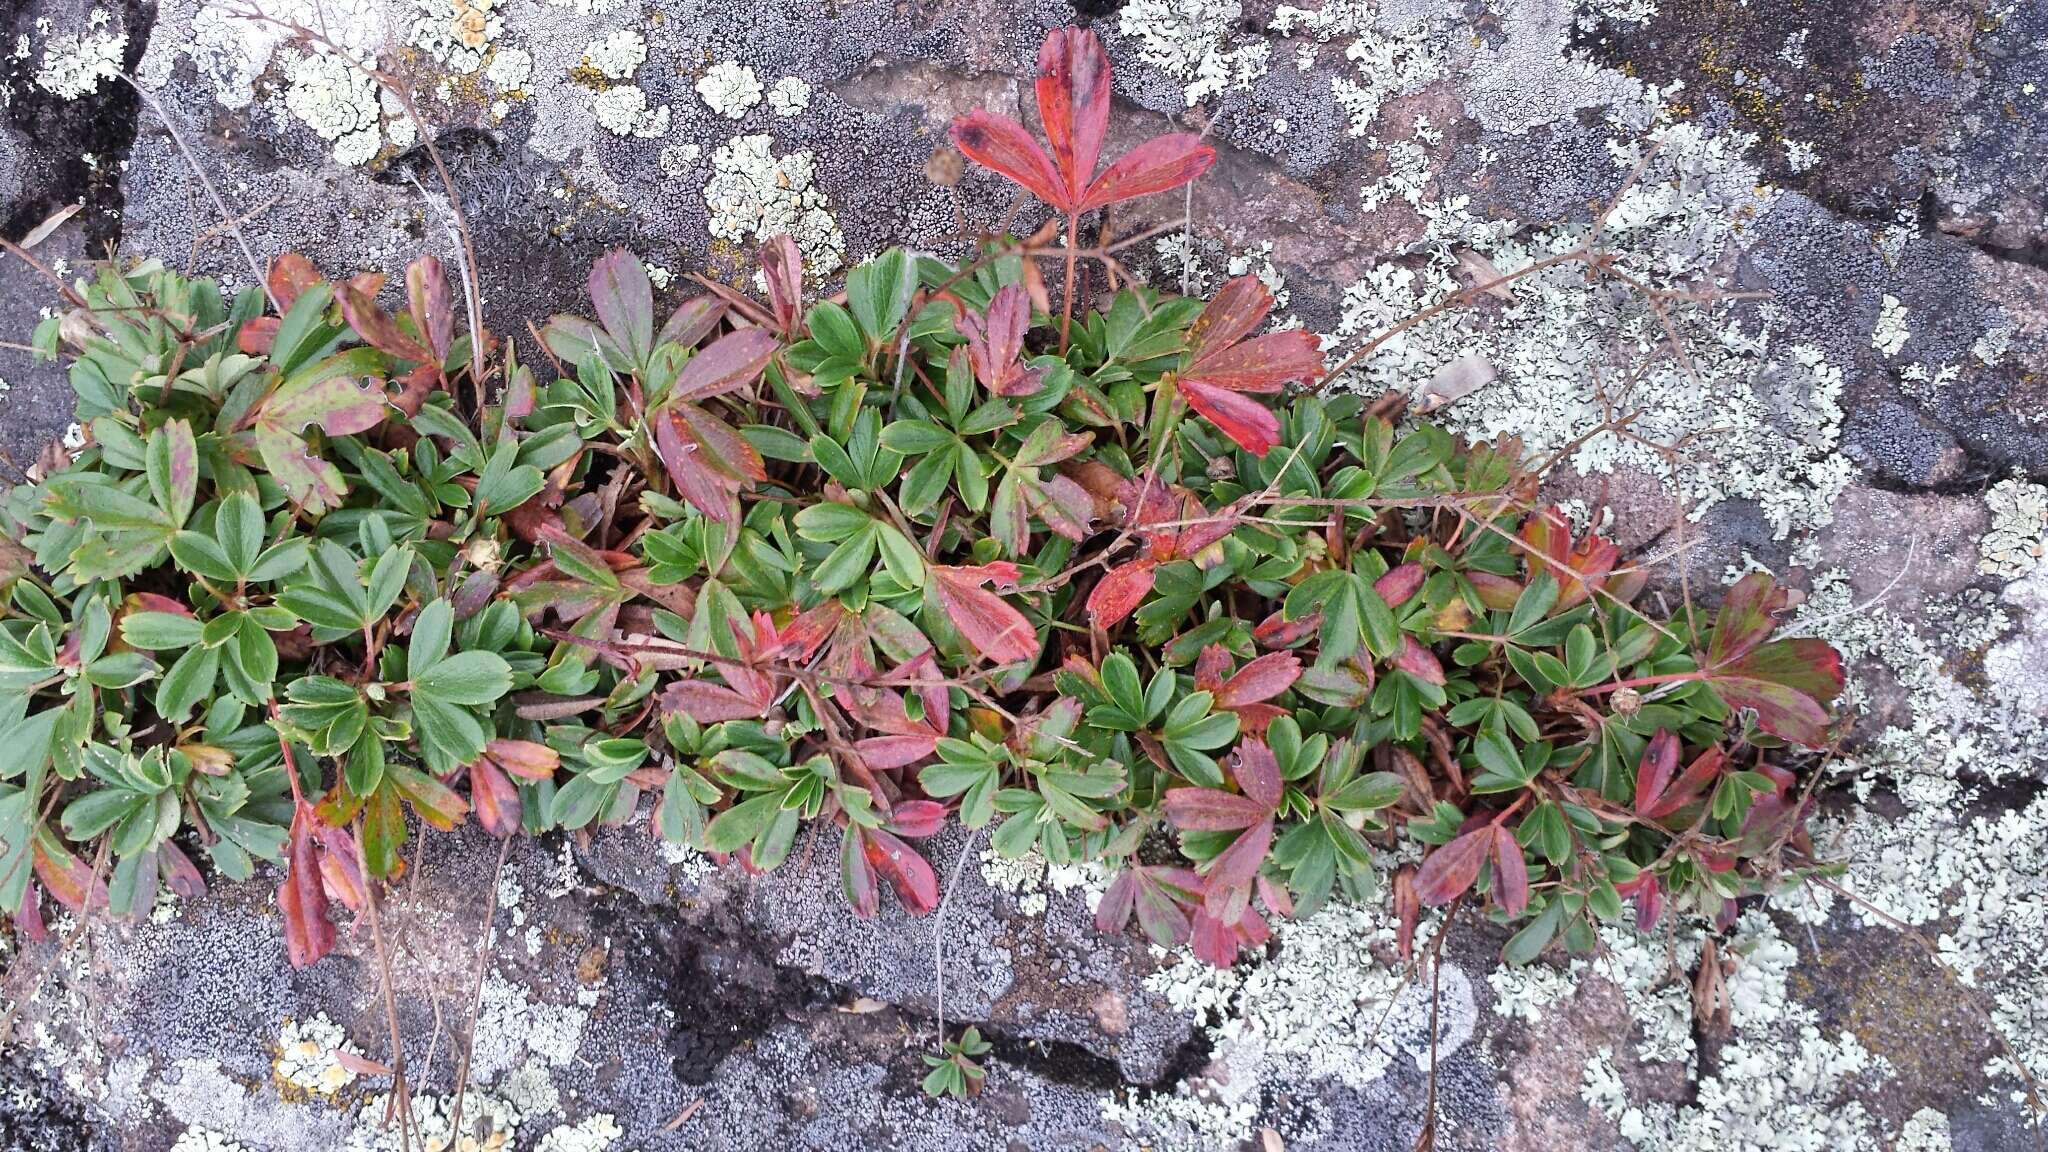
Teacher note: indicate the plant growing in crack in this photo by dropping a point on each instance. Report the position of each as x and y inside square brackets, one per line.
[956, 1073]
[863, 569]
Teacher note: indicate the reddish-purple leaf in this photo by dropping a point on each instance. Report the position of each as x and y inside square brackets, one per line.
[1233, 869]
[1748, 613]
[495, 798]
[524, 758]
[1653, 773]
[1399, 584]
[709, 703]
[1257, 773]
[996, 629]
[1786, 713]
[1418, 661]
[1262, 679]
[692, 320]
[856, 875]
[432, 304]
[308, 933]
[782, 266]
[727, 364]
[1247, 422]
[1655, 769]
[994, 339]
[1160, 164]
[1073, 103]
[378, 329]
[1510, 873]
[881, 753]
[1119, 593]
[1212, 810]
[1704, 770]
[1649, 899]
[1001, 143]
[1277, 631]
[1452, 869]
[1809, 666]
[907, 872]
[180, 874]
[916, 819]
[625, 303]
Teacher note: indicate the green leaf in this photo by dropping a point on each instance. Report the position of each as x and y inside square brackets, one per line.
[471, 678]
[172, 462]
[159, 630]
[835, 331]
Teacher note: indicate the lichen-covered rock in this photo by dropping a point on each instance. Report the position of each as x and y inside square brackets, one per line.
[1839, 213]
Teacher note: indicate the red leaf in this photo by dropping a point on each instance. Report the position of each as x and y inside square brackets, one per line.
[377, 329]
[308, 933]
[1262, 679]
[1748, 613]
[1247, 422]
[1160, 164]
[257, 336]
[1653, 773]
[1783, 712]
[1419, 662]
[692, 320]
[994, 339]
[1649, 897]
[495, 799]
[1233, 313]
[1399, 584]
[709, 703]
[180, 874]
[1119, 593]
[625, 302]
[524, 758]
[907, 872]
[1808, 666]
[856, 875]
[68, 879]
[882, 753]
[1510, 873]
[1497, 593]
[1261, 364]
[1257, 773]
[1704, 770]
[917, 819]
[1453, 868]
[1073, 103]
[1277, 631]
[996, 629]
[1211, 810]
[782, 266]
[1001, 143]
[432, 304]
[290, 275]
[727, 364]
[1233, 869]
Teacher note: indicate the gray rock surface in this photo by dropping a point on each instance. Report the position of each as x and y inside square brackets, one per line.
[1875, 168]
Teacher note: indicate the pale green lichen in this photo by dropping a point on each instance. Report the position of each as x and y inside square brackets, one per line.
[755, 194]
[1198, 42]
[729, 89]
[457, 33]
[309, 1056]
[339, 102]
[1891, 332]
[76, 65]
[2019, 528]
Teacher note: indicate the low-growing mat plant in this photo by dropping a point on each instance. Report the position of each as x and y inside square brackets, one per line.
[1110, 584]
